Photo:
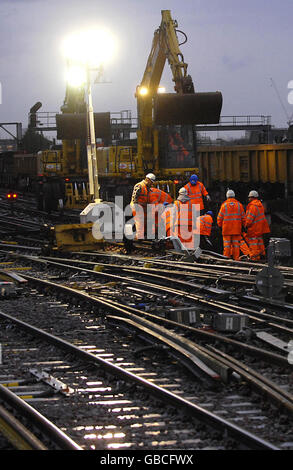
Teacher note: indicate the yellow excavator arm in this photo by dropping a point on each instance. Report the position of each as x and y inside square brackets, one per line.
[165, 46]
[155, 108]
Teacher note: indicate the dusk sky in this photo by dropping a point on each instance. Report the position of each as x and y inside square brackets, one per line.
[233, 46]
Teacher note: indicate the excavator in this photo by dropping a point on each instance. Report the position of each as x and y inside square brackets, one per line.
[185, 107]
[156, 111]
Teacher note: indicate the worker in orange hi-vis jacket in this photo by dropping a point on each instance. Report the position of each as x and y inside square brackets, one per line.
[158, 199]
[196, 191]
[256, 225]
[182, 220]
[203, 229]
[139, 202]
[204, 224]
[167, 220]
[231, 218]
[158, 196]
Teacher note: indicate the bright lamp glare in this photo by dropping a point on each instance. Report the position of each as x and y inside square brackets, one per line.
[143, 91]
[161, 89]
[92, 47]
[76, 76]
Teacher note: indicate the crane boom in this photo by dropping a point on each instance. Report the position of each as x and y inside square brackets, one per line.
[154, 109]
[165, 46]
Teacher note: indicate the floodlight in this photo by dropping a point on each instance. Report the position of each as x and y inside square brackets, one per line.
[92, 47]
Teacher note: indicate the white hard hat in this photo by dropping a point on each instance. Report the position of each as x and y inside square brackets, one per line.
[151, 176]
[182, 191]
[230, 193]
[253, 194]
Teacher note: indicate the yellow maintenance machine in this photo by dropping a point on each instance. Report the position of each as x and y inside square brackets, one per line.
[155, 110]
[163, 118]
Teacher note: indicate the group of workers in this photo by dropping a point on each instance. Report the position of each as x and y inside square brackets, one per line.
[242, 231]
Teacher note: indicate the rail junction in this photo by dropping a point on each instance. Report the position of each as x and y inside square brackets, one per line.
[140, 351]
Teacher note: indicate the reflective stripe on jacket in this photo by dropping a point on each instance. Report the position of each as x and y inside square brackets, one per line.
[157, 196]
[167, 218]
[231, 217]
[204, 225]
[183, 214]
[181, 221]
[196, 192]
[140, 194]
[256, 221]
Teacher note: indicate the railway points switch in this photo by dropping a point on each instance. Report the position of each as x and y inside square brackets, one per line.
[229, 322]
[270, 281]
[281, 247]
[186, 315]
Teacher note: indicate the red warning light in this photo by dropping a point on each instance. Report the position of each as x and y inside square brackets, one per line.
[11, 195]
[176, 181]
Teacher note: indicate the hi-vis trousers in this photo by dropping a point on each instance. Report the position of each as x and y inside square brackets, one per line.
[256, 247]
[234, 244]
[140, 218]
[231, 244]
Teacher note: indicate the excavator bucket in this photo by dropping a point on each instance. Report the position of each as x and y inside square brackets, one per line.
[188, 109]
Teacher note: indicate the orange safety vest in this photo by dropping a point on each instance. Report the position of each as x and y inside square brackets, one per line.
[182, 227]
[204, 225]
[167, 219]
[157, 196]
[143, 196]
[256, 221]
[231, 217]
[196, 192]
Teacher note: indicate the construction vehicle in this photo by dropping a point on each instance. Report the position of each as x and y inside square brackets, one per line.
[156, 111]
[185, 107]
[162, 119]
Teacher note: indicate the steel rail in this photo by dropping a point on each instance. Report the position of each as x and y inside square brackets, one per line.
[17, 434]
[208, 335]
[241, 435]
[261, 317]
[39, 421]
[216, 304]
[271, 356]
[257, 316]
[206, 273]
[233, 265]
[258, 381]
[276, 358]
[267, 386]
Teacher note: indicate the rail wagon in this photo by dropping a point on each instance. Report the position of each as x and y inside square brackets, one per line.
[17, 167]
[28, 164]
[268, 168]
[262, 163]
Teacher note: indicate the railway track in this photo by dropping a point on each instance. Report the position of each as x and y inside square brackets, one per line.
[241, 379]
[100, 389]
[119, 320]
[181, 285]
